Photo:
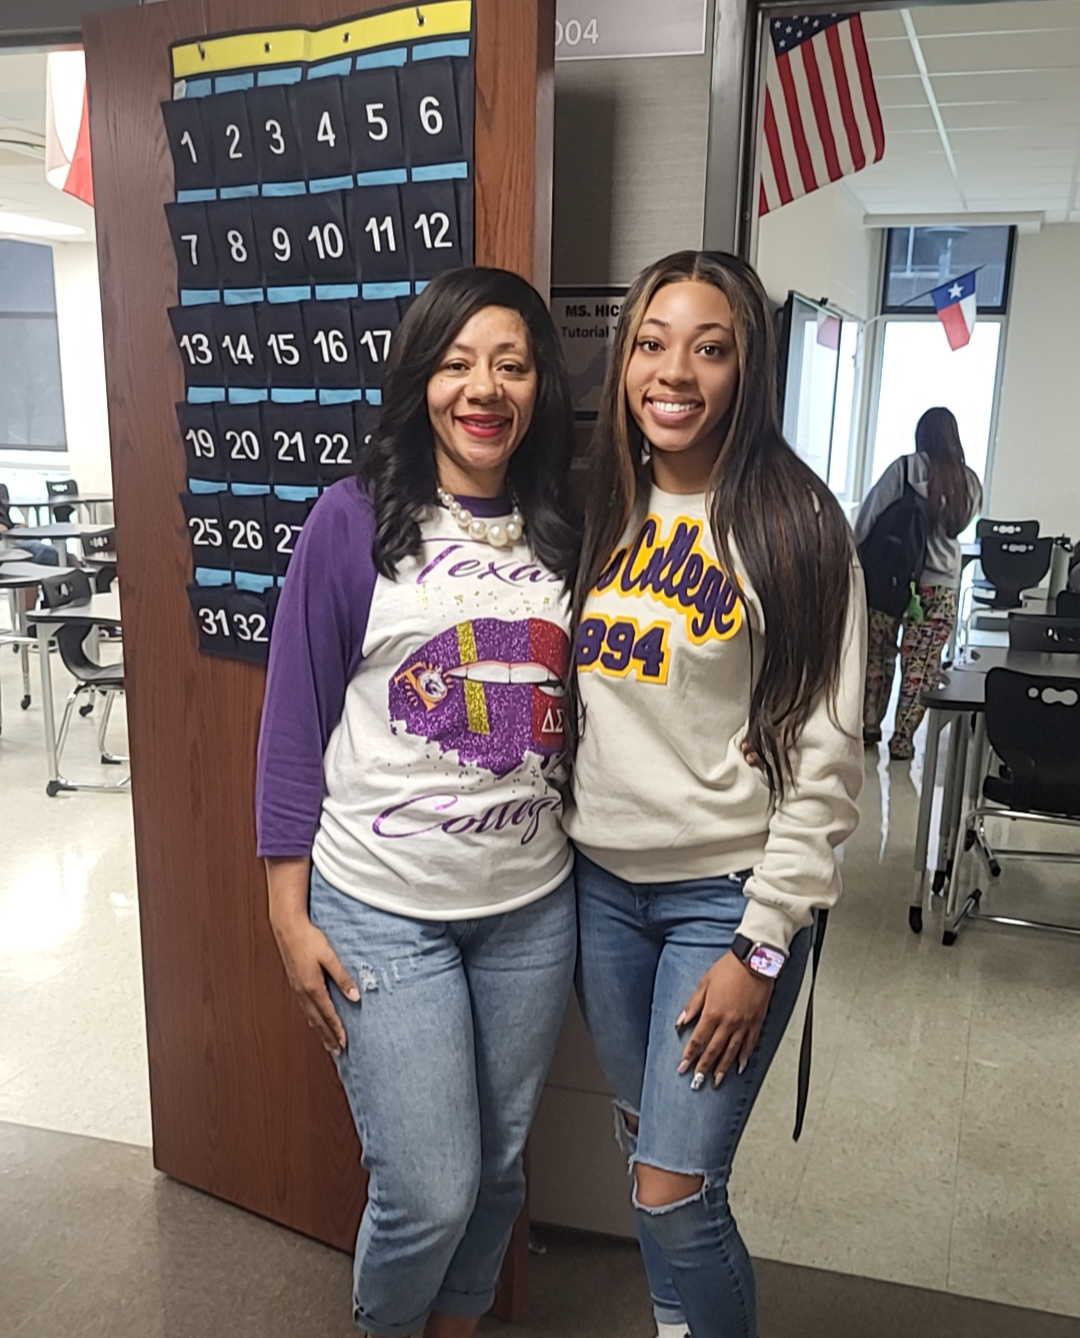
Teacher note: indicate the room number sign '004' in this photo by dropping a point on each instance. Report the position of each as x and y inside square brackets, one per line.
[606, 29]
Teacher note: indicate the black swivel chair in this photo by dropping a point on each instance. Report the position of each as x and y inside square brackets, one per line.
[1006, 529]
[62, 488]
[1013, 566]
[1033, 724]
[984, 589]
[99, 555]
[1068, 604]
[90, 677]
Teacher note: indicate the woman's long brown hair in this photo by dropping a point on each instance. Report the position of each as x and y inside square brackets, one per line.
[948, 491]
[793, 543]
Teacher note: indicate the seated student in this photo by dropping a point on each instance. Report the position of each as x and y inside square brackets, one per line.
[39, 552]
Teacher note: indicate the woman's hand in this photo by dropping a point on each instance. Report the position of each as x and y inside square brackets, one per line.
[306, 951]
[752, 759]
[729, 1006]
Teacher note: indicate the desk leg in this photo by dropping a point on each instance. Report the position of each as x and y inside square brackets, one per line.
[44, 640]
[18, 610]
[951, 801]
[974, 766]
[922, 830]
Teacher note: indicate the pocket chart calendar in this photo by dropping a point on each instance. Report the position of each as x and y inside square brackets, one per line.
[323, 178]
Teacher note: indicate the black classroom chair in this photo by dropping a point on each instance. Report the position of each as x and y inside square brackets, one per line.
[99, 555]
[1006, 529]
[62, 488]
[90, 677]
[1033, 724]
[1013, 559]
[1068, 604]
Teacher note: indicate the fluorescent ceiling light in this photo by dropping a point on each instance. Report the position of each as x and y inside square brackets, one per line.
[22, 225]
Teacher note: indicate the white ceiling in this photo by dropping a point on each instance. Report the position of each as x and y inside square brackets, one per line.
[23, 188]
[1004, 80]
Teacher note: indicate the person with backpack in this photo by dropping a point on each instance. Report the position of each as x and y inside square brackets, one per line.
[907, 533]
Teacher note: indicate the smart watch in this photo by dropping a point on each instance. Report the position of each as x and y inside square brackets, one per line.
[760, 959]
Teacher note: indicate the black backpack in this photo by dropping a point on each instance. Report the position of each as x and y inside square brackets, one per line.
[893, 554]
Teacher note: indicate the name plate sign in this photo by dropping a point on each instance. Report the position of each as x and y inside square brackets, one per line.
[611, 29]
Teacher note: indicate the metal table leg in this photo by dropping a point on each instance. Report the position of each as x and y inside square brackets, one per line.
[934, 725]
[44, 640]
[952, 801]
[975, 758]
[18, 610]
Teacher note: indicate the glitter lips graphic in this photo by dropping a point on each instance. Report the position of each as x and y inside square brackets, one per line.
[491, 691]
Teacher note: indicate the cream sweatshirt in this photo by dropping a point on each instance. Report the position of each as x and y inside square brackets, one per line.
[666, 657]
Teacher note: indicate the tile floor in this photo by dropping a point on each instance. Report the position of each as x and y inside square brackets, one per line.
[94, 1243]
[940, 1148]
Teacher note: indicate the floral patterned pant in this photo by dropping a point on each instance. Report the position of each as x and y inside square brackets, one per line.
[920, 659]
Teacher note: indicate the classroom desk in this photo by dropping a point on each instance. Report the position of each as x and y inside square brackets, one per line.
[9, 553]
[99, 609]
[17, 578]
[59, 534]
[90, 501]
[957, 702]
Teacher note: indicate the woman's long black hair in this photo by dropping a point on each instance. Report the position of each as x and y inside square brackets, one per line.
[937, 435]
[397, 464]
[793, 542]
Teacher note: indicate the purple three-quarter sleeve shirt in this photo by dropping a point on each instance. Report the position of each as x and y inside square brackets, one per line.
[316, 648]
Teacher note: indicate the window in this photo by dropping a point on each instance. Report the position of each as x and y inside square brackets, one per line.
[819, 348]
[31, 403]
[919, 259]
[918, 371]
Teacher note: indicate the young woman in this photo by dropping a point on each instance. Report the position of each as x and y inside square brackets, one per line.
[953, 494]
[719, 653]
[408, 801]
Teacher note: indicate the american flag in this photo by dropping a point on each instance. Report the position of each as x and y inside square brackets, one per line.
[822, 119]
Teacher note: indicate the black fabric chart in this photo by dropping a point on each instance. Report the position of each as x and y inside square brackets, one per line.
[314, 200]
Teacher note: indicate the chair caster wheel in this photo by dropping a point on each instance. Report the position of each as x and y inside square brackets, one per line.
[938, 881]
[52, 789]
[25, 703]
[976, 896]
[948, 938]
[84, 711]
[969, 839]
[995, 869]
[914, 919]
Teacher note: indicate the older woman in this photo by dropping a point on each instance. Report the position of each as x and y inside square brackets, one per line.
[411, 752]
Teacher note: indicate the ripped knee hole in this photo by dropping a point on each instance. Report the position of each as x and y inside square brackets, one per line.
[663, 1189]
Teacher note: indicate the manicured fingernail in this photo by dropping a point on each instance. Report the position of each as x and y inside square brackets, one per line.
[684, 1066]
[742, 1066]
[680, 1021]
[698, 1082]
[717, 1080]
[353, 995]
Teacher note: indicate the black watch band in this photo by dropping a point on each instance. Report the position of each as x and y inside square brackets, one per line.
[760, 959]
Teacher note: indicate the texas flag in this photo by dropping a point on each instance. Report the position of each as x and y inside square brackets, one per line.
[67, 125]
[956, 308]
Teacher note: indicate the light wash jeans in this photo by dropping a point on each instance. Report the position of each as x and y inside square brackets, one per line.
[643, 950]
[447, 1053]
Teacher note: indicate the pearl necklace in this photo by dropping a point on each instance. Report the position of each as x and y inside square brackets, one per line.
[484, 532]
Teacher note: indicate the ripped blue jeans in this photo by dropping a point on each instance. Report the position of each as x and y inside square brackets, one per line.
[643, 949]
[447, 1053]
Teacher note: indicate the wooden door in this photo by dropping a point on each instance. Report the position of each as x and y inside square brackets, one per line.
[245, 1103]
